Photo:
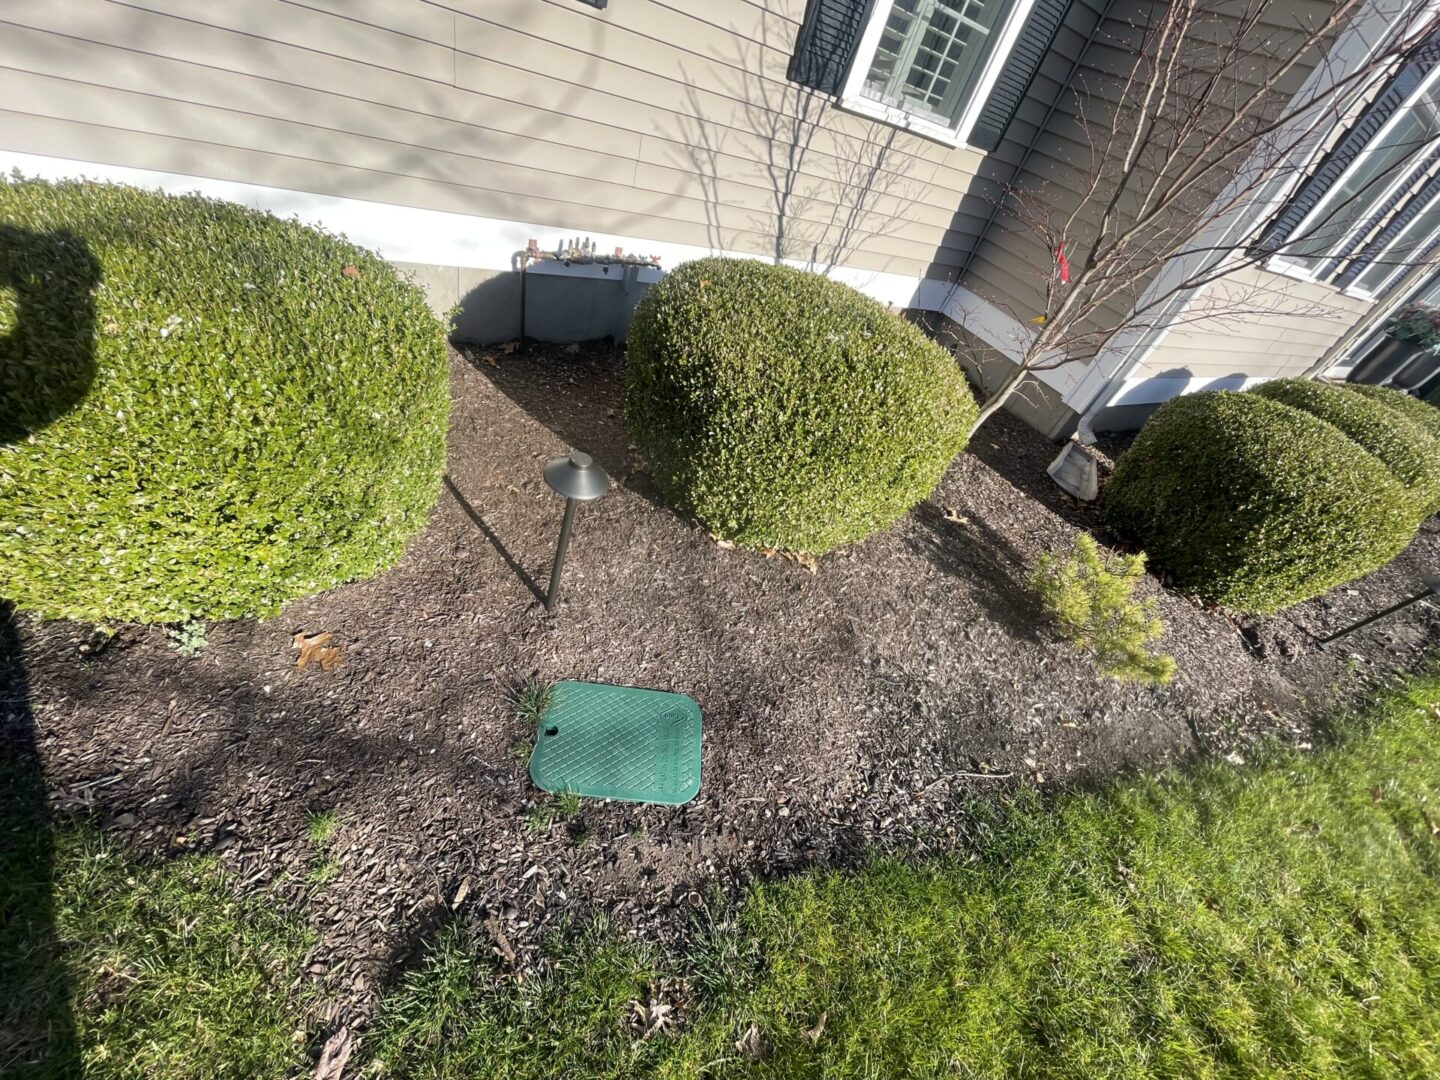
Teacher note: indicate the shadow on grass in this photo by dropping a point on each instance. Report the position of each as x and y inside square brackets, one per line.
[37, 1025]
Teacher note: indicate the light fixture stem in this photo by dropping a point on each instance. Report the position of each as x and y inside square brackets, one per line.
[554, 594]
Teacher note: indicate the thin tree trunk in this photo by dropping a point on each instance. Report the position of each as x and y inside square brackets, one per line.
[996, 401]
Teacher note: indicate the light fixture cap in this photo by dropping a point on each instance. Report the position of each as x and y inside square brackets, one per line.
[576, 476]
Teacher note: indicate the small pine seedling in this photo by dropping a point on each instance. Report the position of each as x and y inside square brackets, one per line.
[188, 638]
[1090, 597]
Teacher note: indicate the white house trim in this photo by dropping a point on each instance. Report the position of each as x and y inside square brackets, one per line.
[852, 98]
[410, 234]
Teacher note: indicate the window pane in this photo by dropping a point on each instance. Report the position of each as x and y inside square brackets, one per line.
[1361, 193]
[1409, 247]
[931, 54]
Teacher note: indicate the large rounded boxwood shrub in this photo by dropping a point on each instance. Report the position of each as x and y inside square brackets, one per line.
[782, 409]
[1420, 413]
[1410, 453]
[1255, 504]
[208, 410]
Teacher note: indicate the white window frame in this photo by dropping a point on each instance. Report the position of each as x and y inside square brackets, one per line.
[852, 98]
[1356, 290]
[1321, 274]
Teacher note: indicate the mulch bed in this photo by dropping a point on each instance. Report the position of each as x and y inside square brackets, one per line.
[846, 711]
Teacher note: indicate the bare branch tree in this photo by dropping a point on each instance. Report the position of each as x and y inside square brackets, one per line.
[1189, 154]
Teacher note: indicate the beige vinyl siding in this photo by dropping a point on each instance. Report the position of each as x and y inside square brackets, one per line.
[1288, 325]
[670, 121]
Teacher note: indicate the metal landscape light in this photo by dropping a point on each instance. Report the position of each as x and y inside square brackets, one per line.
[579, 479]
[1432, 588]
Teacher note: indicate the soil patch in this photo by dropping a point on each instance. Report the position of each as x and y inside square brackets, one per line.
[847, 711]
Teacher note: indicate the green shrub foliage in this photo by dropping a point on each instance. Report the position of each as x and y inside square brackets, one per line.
[1410, 452]
[1420, 413]
[1091, 599]
[209, 411]
[1255, 504]
[785, 410]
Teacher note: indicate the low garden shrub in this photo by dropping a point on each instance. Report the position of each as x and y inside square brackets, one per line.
[1091, 598]
[785, 410]
[1410, 452]
[210, 410]
[1255, 504]
[1420, 413]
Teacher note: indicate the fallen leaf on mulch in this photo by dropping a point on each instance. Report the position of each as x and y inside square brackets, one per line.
[752, 1046]
[571, 350]
[648, 1017]
[508, 347]
[314, 649]
[502, 943]
[489, 358]
[951, 514]
[813, 1034]
[460, 894]
[335, 1056]
[350, 271]
[803, 558]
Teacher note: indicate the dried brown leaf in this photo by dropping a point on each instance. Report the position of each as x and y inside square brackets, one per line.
[335, 1055]
[313, 650]
[752, 1046]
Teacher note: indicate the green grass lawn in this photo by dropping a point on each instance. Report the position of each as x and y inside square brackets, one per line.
[1275, 920]
[114, 968]
[1281, 919]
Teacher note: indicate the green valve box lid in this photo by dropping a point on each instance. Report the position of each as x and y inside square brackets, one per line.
[618, 742]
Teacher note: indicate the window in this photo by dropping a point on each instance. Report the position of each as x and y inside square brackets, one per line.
[928, 65]
[1371, 208]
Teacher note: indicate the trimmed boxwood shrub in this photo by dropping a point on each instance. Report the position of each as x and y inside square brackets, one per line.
[1255, 504]
[785, 410]
[209, 411]
[1410, 453]
[1420, 413]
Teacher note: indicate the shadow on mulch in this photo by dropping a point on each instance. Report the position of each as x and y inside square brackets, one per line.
[1022, 456]
[35, 993]
[579, 396]
[494, 539]
[976, 552]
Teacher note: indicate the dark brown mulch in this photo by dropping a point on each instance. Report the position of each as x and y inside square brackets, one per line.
[845, 711]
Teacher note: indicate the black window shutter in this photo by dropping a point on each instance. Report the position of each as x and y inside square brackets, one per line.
[826, 43]
[1373, 250]
[1343, 154]
[1036, 37]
